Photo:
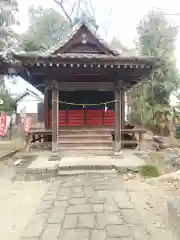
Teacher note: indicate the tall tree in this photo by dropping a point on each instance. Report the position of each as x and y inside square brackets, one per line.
[156, 38]
[8, 104]
[46, 28]
[8, 8]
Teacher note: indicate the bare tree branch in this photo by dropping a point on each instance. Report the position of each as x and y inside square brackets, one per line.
[78, 8]
[61, 4]
[92, 8]
[87, 10]
[72, 10]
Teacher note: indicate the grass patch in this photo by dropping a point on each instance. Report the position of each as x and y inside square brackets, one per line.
[149, 171]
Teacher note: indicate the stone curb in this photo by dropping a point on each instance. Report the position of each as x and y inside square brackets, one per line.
[44, 174]
[9, 154]
[37, 174]
[120, 169]
[174, 217]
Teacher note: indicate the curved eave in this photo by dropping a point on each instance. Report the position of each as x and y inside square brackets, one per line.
[39, 60]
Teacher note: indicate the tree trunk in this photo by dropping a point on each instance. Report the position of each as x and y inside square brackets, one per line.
[2, 82]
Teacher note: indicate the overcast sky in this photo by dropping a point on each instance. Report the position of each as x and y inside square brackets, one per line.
[124, 17]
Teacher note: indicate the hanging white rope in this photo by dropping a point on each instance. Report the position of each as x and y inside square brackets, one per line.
[87, 104]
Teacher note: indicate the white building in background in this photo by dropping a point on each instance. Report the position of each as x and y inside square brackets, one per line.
[29, 101]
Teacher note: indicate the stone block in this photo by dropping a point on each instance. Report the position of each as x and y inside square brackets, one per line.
[111, 207]
[78, 195]
[77, 189]
[117, 231]
[44, 206]
[62, 197]
[49, 197]
[64, 191]
[57, 215]
[70, 221]
[76, 201]
[62, 204]
[98, 208]
[96, 199]
[83, 208]
[86, 221]
[52, 231]
[98, 235]
[57, 181]
[104, 219]
[75, 234]
[89, 191]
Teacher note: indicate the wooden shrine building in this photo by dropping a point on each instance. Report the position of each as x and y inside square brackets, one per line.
[83, 80]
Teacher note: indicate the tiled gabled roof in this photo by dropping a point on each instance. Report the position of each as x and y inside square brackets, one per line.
[74, 30]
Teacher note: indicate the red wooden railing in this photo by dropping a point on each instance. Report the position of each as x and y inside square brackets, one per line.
[84, 117]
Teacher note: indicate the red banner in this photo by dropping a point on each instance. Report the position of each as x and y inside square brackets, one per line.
[3, 122]
[27, 124]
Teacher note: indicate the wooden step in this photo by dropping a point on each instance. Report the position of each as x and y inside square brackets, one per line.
[85, 135]
[86, 141]
[86, 144]
[84, 132]
[84, 138]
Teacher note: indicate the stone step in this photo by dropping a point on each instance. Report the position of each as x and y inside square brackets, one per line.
[82, 151]
[84, 171]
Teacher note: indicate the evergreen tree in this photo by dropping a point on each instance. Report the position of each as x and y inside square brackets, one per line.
[157, 38]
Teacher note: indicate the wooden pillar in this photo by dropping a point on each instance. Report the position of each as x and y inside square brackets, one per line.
[117, 133]
[46, 109]
[46, 120]
[122, 103]
[55, 114]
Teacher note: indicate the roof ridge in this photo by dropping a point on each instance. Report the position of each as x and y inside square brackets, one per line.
[30, 92]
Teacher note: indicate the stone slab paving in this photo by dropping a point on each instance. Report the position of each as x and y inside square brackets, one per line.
[86, 207]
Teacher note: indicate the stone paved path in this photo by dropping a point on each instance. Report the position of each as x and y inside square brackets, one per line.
[86, 207]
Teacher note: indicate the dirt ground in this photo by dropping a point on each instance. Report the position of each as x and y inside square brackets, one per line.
[18, 202]
[159, 158]
[150, 198]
